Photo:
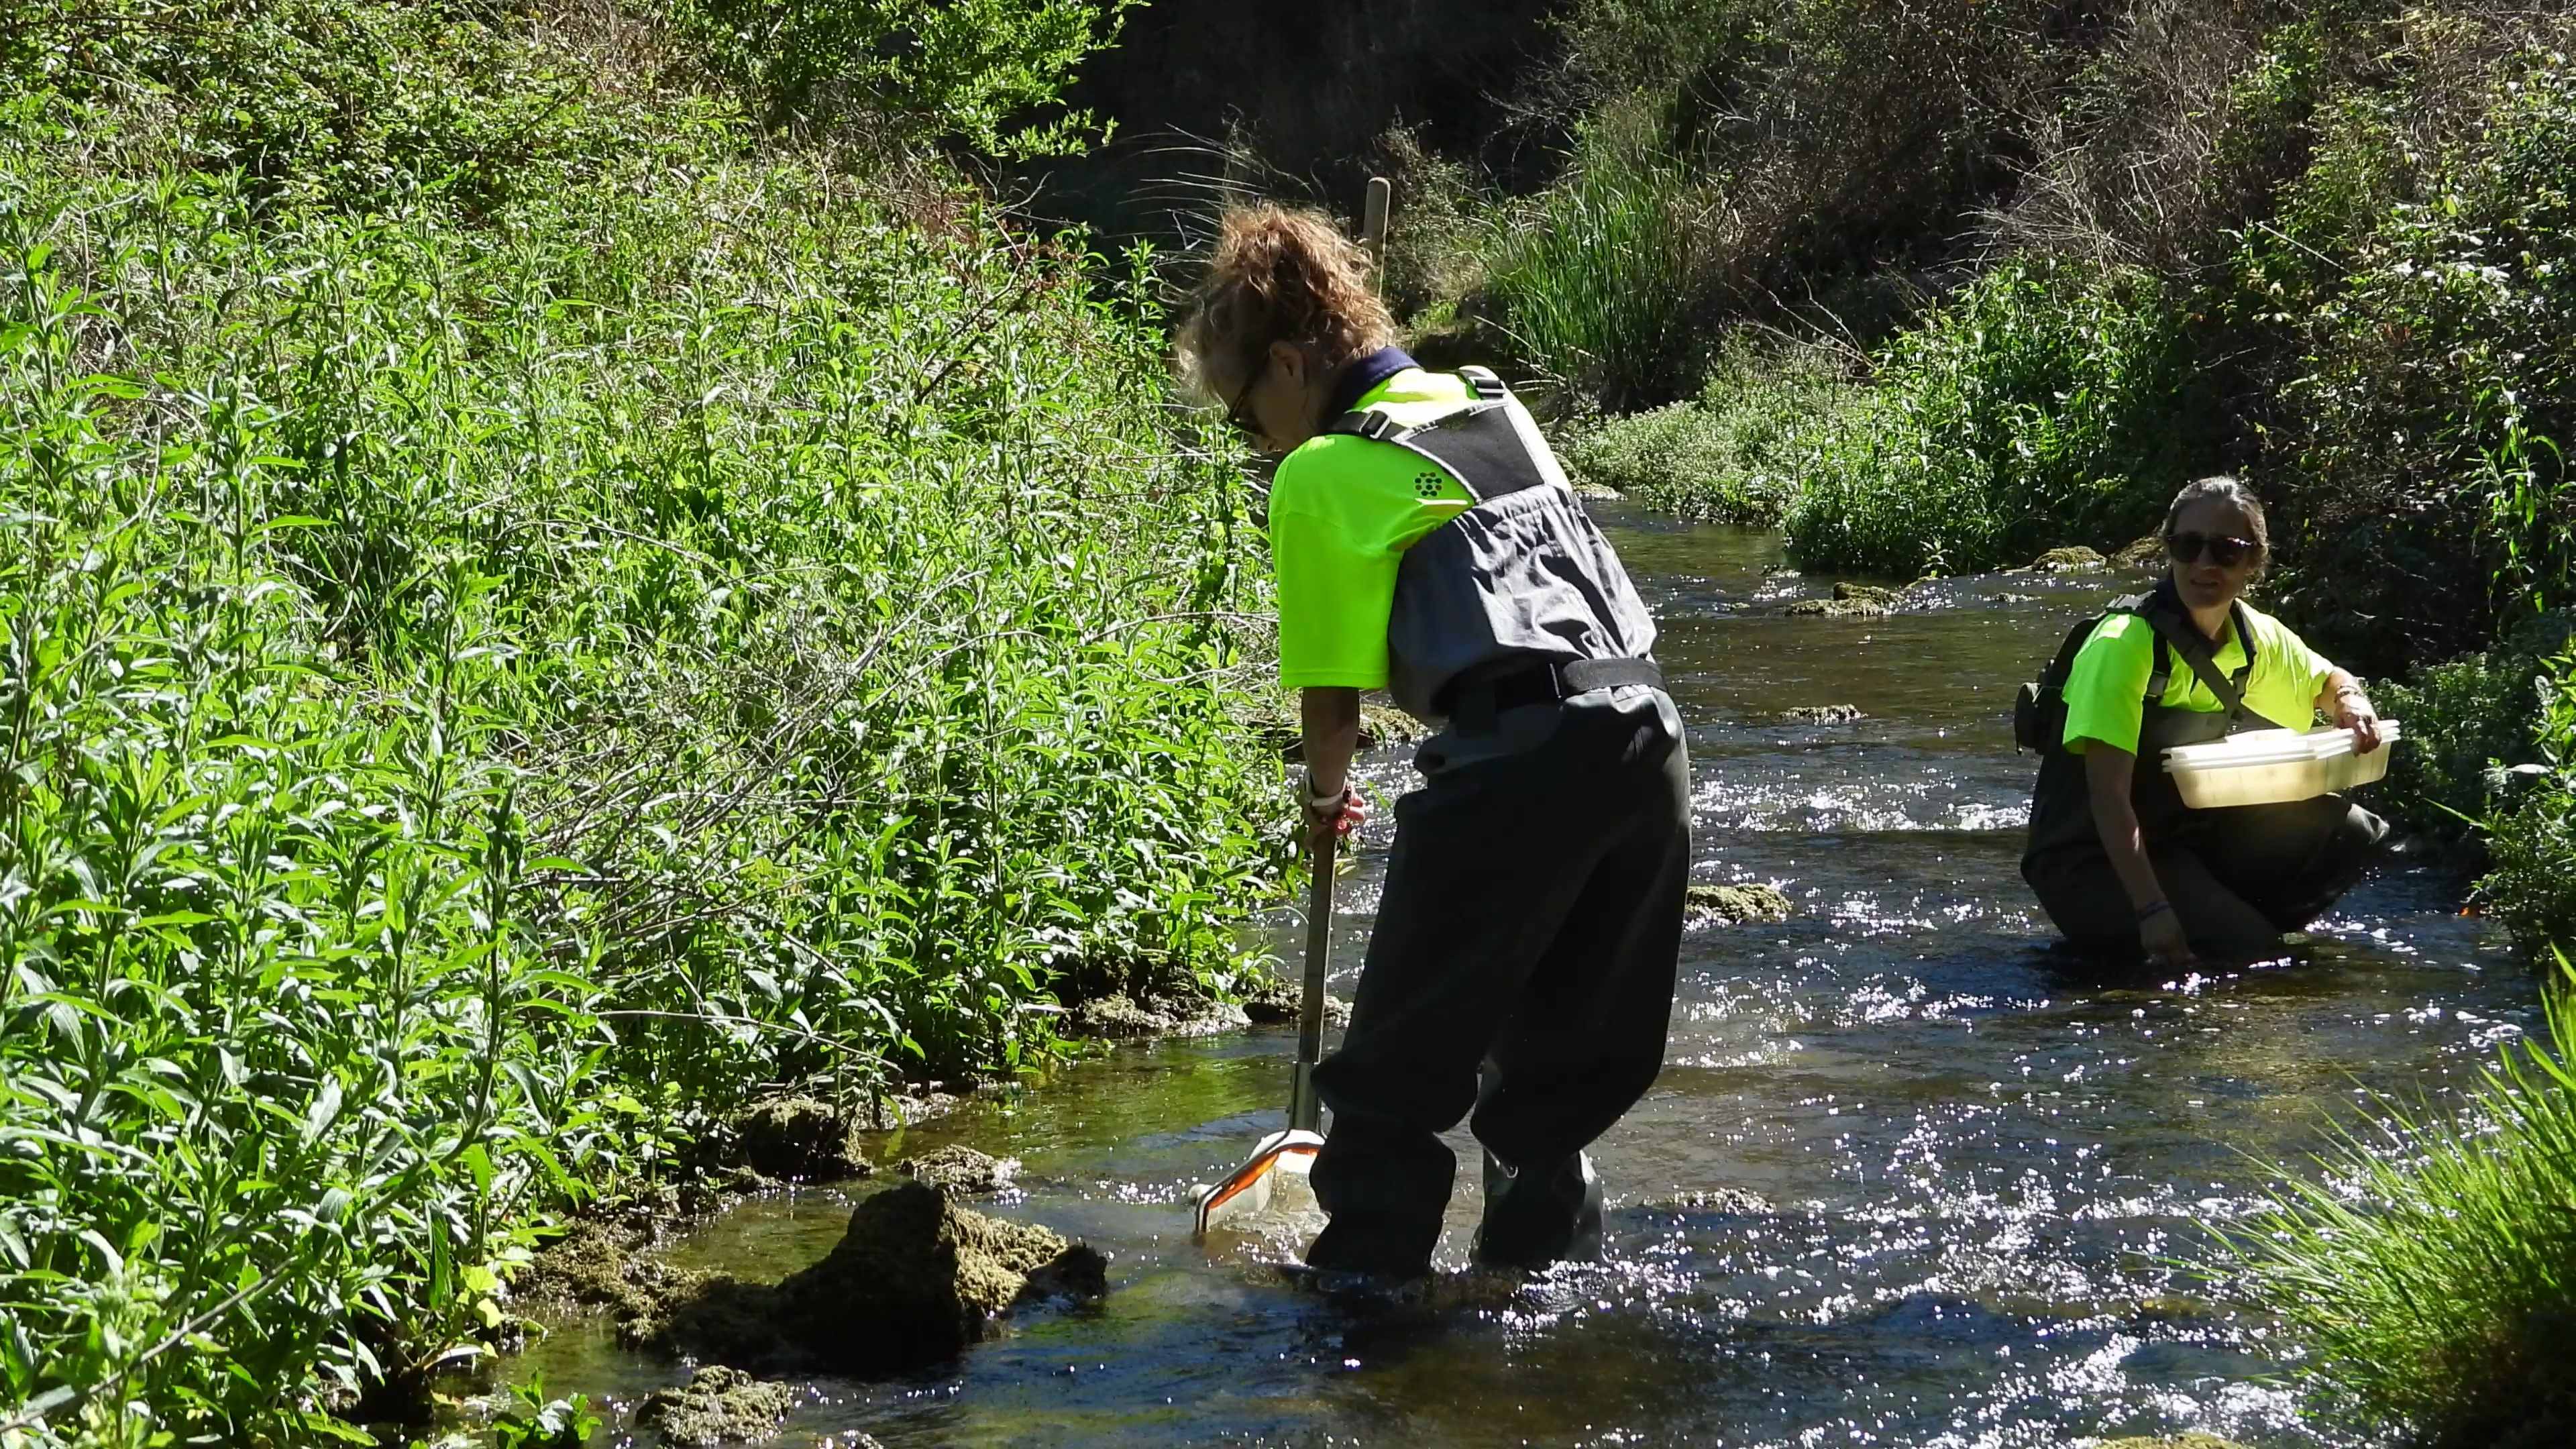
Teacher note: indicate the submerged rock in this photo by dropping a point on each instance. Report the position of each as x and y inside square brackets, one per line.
[961, 1169]
[1733, 905]
[1733, 1200]
[2067, 560]
[1276, 1001]
[1822, 713]
[799, 1139]
[718, 1405]
[916, 1278]
[1837, 609]
[2179, 1441]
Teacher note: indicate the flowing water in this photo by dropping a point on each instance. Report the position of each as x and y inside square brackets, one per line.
[1989, 1174]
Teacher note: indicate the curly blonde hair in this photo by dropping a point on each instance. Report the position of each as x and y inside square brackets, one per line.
[1278, 275]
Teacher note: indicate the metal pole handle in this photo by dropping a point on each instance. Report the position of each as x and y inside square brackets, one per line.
[1305, 1112]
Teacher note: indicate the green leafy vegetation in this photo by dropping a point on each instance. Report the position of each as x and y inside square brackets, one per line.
[1739, 453]
[2047, 404]
[504, 660]
[2430, 1272]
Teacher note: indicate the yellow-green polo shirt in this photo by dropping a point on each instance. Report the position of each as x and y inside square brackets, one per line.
[1343, 510]
[2105, 685]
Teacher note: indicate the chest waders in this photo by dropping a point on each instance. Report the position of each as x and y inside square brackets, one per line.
[1522, 963]
[2061, 811]
[2236, 877]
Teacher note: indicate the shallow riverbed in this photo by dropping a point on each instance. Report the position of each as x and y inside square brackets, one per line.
[1984, 1165]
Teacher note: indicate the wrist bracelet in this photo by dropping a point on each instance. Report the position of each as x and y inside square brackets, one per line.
[1320, 802]
[2149, 913]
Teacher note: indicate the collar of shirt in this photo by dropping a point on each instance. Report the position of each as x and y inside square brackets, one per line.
[1363, 374]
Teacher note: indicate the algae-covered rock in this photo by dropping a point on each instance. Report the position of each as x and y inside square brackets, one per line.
[1732, 905]
[916, 1278]
[718, 1405]
[1836, 609]
[1117, 1016]
[2068, 560]
[1275, 1002]
[799, 1139]
[961, 1169]
[1734, 1201]
[2143, 553]
[2179, 1441]
[1821, 713]
[1868, 594]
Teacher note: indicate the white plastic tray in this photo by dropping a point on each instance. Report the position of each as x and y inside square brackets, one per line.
[2267, 767]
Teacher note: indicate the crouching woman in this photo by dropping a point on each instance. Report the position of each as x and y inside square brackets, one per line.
[2117, 860]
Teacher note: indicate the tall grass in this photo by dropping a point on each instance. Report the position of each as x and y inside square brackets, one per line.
[2433, 1282]
[490, 684]
[1597, 281]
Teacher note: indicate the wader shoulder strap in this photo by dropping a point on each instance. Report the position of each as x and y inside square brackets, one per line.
[1481, 443]
[2194, 647]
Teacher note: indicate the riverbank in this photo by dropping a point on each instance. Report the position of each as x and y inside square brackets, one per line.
[539, 617]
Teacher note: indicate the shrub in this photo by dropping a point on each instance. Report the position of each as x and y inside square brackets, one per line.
[1738, 454]
[483, 694]
[2532, 889]
[2424, 420]
[2466, 721]
[906, 73]
[2046, 405]
[2435, 1288]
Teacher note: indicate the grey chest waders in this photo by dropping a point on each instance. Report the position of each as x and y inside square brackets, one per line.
[1246, 1192]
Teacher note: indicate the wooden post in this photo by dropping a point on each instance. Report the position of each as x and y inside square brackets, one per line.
[1381, 199]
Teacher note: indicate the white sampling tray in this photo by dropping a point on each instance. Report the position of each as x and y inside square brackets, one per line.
[2266, 767]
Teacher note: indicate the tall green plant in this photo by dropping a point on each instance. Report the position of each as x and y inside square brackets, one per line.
[2432, 1276]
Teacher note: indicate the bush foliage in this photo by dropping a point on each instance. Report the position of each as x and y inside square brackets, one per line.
[1739, 453]
[492, 679]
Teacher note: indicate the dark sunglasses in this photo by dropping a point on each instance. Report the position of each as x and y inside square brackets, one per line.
[2225, 550]
[1250, 428]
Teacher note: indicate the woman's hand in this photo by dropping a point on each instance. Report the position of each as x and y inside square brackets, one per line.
[1334, 812]
[2353, 712]
[2161, 936]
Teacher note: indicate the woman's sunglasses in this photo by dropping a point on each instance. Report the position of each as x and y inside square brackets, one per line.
[1249, 427]
[2225, 550]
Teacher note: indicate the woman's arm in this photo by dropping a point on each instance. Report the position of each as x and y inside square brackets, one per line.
[2108, 771]
[1329, 722]
[2343, 701]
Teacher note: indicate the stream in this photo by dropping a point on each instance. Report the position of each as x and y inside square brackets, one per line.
[1990, 1174]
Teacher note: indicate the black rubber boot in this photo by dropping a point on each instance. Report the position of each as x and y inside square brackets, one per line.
[1539, 1217]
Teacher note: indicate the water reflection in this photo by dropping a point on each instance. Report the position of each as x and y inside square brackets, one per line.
[1982, 1162]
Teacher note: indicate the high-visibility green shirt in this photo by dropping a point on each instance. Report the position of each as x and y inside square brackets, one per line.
[1343, 510]
[2105, 686]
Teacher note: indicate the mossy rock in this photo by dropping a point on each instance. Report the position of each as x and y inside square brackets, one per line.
[961, 1169]
[798, 1139]
[2179, 1441]
[2074, 559]
[915, 1280]
[2143, 553]
[1277, 1001]
[1734, 905]
[1119, 1017]
[1837, 609]
[1822, 714]
[718, 1405]
[1852, 593]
